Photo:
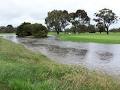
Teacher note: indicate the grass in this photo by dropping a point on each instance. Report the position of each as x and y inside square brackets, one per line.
[21, 69]
[112, 38]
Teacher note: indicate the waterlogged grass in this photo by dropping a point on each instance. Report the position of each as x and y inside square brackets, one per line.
[113, 38]
[21, 69]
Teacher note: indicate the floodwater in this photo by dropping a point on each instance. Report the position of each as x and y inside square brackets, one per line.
[103, 57]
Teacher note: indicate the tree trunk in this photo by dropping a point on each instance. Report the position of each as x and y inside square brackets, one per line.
[107, 31]
[74, 32]
[58, 33]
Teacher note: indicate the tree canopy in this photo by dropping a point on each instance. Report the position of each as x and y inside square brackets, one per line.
[57, 19]
[106, 17]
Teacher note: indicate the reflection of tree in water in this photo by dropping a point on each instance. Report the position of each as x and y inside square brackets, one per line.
[104, 55]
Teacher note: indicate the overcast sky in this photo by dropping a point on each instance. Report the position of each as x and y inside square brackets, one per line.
[34, 11]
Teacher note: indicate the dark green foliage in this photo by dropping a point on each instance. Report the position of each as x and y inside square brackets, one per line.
[57, 20]
[79, 20]
[82, 29]
[28, 29]
[39, 31]
[106, 17]
[24, 30]
[91, 29]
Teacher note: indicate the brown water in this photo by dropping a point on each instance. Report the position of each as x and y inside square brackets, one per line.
[103, 57]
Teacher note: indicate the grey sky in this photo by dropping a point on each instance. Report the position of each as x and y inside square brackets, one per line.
[17, 11]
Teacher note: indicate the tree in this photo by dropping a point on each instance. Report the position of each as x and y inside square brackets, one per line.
[107, 17]
[10, 28]
[72, 20]
[79, 18]
[57, 19]
[82, 17]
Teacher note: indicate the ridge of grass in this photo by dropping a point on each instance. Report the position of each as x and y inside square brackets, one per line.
[21, 69]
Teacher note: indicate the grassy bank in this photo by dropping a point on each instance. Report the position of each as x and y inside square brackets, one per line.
[21, 69]
[113, 38]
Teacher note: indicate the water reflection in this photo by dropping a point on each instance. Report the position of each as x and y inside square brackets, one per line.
[104, 55]
[94, 56]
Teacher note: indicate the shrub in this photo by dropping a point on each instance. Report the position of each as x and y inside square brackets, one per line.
[39, 31]
[28, 29]
[24, 30]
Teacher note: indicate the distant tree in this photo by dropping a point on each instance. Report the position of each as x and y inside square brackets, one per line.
[72, 19]
[101, 27]
[7, 29]
[115, 30]
[57, 20]
[10, 28]
[82, 17]
[91, 29]
[82, 28]
[65, 18]
[78, 18]
[107, 17]
[2, 29]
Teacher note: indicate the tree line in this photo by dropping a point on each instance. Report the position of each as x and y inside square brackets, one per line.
[63, 21]
[7, 29]
[58, 20]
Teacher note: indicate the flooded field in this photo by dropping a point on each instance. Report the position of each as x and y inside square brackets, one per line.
[103, 57]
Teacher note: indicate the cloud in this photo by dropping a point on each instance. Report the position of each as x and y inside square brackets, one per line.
[17, 11]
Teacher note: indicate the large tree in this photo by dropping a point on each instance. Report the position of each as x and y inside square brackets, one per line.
[57, 20]
[79, 18]
[107, 17]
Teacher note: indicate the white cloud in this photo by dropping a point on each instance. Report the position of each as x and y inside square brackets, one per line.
[16, 11]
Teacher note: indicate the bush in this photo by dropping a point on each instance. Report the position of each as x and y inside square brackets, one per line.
[39, 31]
[24, 30]
[28, 29]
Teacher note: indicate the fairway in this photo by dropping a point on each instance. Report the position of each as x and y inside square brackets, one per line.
[112, 38]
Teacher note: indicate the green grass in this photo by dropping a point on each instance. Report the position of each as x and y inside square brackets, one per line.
[21, 69]
[112, 38]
